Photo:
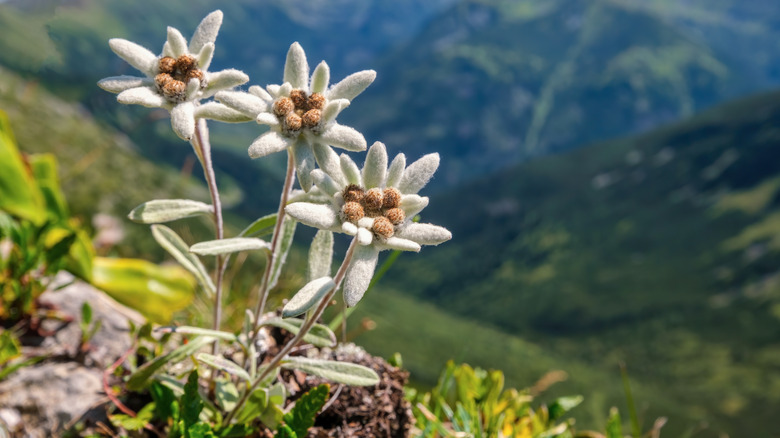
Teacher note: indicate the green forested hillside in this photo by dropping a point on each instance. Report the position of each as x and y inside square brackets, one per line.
[661, 250]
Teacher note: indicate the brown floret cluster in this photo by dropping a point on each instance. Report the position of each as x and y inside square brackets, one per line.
[382, 205]
[175, 74]
[299, 110]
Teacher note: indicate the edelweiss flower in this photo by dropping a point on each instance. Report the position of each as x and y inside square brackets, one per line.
[302, 113]
[177, 79]
[376, 205]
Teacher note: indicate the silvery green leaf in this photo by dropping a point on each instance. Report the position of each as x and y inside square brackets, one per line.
[325, 182]
[221, 113]
[246, 103]
[425, 234]
[352, 85]
[223, 364]
[193, 88]
[350, 170]
[320, 78]
[166, 51]
[140, 376]
[197, 331]
[413, 204]
[296, 69]
[261, 93]
[282, 249]
[146, 96]
[223, 80]
[319, 335]
[417, 175]
[267, 119]
[268, 143]
[226, 394]
[249, 320]
[364, 236]
[320, 255]
[171, 242]
[375, 166]
[396, 171]
[118, 84]
[304, 163]
[206, 31]
[339, 372]
[205, 56]
[261, 227]
[166, 210]
[274, 90]
[285, 89]
[342, 137]
[329, 162]
[227, 246]
[349, 228]
[401, 244]
[183, 120]
[333, 108]
[177, 42]
[314, 215]
[359, 273]
[139, 57]
[308, 297]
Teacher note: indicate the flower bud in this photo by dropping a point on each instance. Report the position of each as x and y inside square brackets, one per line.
[373, 199]
[352, 212]
[293, 122]
[316, 101]
[311, 118]
[175, 90]
[166, 65]
[391, 198]
[298, 98]
[185, 63]
[353, 193]
[383, 228]
[283, 106]
[395, 215]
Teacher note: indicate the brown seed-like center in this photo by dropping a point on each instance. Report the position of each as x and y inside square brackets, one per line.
[381, 205]
[175, 74]
[307, 109]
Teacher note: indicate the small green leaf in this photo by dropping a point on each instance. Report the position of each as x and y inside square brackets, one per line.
[308, 297]
[236, 431]
[261, 227]
[562, 405]
[227, 246]
[200, 430]
[197, 331]
[319, 335]
[138, 379]
[264, 404]
[166, 210]
[9, 347]
[339, 372]
[86, 314]
[191, 404]
[44, 169]
[284, 431]
[223, 364]
[282, 249]
[302, 416]
[168, 239]
[19, 193]
[614, 424]
[320, 255]
[134, 423]
[164, 401]
[227, 394]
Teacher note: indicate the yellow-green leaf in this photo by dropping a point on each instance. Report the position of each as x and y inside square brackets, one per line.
[19, 193]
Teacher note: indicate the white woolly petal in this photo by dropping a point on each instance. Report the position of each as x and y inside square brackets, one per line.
[375, 166]
[268, 143]
[166, 51]
[246, 103]
[193, 88]
[267, 119]
[400, 244]
[285, 89]
[273, 90]
[205, 56]
[417, 175]
[146, 96]
[296, 69]
[352, 85]
[330, 163]
[183, 120]
[333, 108]
[220, 112]
[206, 32]
[324, 182]
[396, 171]
[366, 222]
[314, 215]
[118, 84]
[359, 274]
[320, 78]
[223, 80]
[425, 234]
[177, 42]
[364, 237]
[304, 163]
[135, 55]
[350, 170]
[413, 204]
[349, 228]
[261, 93]
[342, 137]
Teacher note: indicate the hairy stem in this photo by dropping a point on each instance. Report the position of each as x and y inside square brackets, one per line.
[307, 325]
[202, 147]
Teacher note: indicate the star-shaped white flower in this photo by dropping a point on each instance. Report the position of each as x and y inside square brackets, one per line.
[302, 112]
[375, 204]
[178, 79]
